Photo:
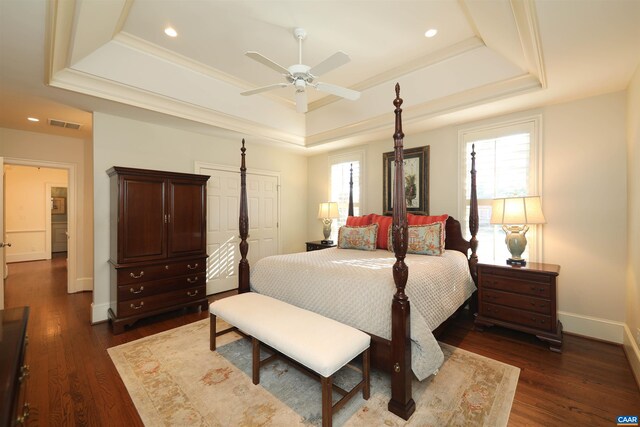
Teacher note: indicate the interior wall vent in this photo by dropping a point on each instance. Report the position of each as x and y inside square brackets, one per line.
[63, 124]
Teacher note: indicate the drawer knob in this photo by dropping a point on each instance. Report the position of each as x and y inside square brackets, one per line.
[24, 373]
[133, 291]
[166, 267]
[138, 276]
[190, 280]
[137, 307]
[20, 420]
[192, 294]
[192, 268]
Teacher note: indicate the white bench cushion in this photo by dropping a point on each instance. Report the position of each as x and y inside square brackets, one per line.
[317, 342]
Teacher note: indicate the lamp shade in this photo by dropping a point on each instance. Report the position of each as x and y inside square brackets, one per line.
[517, 210]
[328, 210]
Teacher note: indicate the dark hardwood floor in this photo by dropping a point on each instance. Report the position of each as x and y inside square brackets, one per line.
[74, 383]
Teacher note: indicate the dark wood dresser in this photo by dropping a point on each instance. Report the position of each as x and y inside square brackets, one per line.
[316, 245]
[158, 243]
[520, 298]
[14, 410]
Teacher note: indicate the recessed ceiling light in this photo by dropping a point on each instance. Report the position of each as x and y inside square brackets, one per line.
[33, 119]
[170, 32]
[431, 32]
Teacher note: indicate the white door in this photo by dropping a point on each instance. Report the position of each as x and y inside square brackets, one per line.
[2, 242]
[223, 203]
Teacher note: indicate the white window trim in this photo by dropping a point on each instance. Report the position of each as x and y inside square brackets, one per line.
[351, 156]
[492, 130]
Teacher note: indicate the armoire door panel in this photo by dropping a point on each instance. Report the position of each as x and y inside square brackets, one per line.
[142, 220]
[186, 220]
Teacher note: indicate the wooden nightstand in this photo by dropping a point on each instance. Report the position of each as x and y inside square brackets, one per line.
[317, 245]
[520, 298]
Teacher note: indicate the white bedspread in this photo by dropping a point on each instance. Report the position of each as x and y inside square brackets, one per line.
[356, 288]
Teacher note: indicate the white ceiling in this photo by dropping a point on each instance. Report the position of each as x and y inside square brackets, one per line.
[68, 58]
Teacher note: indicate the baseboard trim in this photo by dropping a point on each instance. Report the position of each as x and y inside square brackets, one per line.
[592, 327]
[632, 351]
[99, 313]
[26, 256]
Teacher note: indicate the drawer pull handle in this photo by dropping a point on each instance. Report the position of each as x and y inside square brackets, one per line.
[192, 268]
[138, 291]
[192, 294]
[137, 307]
[166, 267]
[24, 373]
[138, 276]
[190, 280]
[20, 420]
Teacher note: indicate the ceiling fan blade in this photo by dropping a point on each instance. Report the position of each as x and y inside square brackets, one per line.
[340, 91]
[264, 89]
[334, 61]
[266, 61]
[301, 101]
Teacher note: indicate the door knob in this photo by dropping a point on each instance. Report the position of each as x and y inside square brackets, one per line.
[3, 244]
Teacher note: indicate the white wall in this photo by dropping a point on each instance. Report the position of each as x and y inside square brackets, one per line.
[26, 210]
[632, 336]
[584, 190]
[39, 147]
[123, 142]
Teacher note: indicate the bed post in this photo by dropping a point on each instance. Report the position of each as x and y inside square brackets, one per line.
[351, 190]
[243, 268]
[473, 219]
[401, 402]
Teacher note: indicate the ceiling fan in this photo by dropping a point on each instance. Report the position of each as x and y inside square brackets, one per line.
[302, 76]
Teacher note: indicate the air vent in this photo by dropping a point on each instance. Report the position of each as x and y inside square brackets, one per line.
[63, 124]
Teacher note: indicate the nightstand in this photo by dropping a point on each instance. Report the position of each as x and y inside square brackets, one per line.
[520, 298]
[317, 245]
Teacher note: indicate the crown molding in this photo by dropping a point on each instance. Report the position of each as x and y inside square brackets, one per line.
[525, 16]
[89, 84]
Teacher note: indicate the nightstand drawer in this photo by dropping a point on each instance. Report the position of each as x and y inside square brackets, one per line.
[517, 301]
[538, 289]
[513, 315]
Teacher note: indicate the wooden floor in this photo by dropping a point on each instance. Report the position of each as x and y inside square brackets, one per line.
[74, 383]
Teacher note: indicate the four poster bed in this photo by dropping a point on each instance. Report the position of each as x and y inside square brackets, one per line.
[355, 287]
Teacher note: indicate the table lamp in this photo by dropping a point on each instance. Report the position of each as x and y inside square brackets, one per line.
[327, 212]
[516, 214]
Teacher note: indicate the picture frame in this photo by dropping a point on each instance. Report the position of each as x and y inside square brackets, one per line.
[416, 172]
[58, 205]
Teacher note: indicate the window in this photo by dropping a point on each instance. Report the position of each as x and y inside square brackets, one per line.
[339, 169]
[507, 166]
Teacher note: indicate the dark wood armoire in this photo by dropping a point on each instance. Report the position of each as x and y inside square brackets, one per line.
[158, 243]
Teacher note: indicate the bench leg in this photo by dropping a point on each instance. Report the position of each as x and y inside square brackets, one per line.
[212, 332]
[327, 401]
[256, 360]
[366, 389]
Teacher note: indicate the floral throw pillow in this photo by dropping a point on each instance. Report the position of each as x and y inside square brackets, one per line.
[425, 239]
[363, 238]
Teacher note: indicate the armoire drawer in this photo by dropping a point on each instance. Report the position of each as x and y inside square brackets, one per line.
[142, 305]
[160, 271]
[154, 287]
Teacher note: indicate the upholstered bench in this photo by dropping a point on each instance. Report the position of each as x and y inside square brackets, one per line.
[316, 342]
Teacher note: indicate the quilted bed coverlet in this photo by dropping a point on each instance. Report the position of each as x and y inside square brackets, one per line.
[356, 288]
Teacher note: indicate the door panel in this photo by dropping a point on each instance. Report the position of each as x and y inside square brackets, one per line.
[143, 231]
[223, 202]
[186, 220]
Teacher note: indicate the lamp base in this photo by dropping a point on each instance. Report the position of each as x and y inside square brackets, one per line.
[518, 262]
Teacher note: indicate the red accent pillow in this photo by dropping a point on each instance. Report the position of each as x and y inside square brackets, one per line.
[359, 221]
[384, 222]
[425, 219]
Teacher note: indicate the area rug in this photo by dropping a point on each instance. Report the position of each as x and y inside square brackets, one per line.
[175, 380]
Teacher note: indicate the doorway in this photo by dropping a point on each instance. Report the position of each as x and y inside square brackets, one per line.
[36, 240]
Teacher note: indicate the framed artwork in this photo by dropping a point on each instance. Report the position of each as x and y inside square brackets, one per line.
[416, 180]
[58, 206]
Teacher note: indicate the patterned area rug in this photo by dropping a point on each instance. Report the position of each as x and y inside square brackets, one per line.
[174, 380]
